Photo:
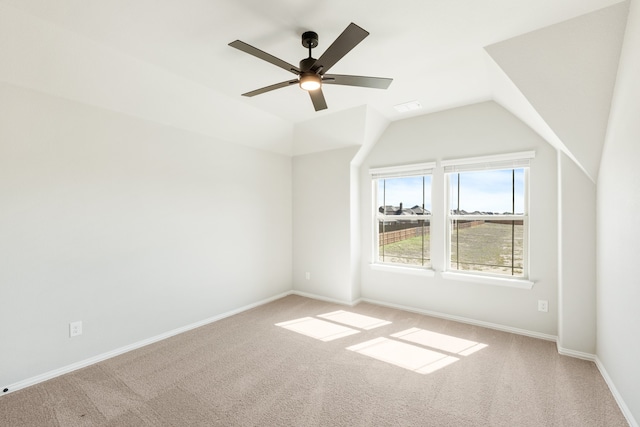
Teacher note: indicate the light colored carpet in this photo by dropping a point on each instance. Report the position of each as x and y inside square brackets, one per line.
[247, 371]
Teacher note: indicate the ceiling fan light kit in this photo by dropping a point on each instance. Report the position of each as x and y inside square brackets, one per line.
[310, 81]
[311, 74]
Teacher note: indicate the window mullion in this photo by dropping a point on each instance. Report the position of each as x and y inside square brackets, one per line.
[384, 207]
[458, 229]
[513, 224]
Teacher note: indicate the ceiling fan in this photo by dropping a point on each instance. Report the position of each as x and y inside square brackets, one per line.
[312, 72]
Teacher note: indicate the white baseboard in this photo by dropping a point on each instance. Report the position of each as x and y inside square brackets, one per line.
[616, 395]
[432, 314]
[104, 356]
[465, 320]
[326, 299]
[577, 354]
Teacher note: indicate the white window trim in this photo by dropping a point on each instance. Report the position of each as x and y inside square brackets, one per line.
[389, 218]
[399, 268]
[500, 161]
[399, 171]
[415, 169]
[505, 161]
[474, 277]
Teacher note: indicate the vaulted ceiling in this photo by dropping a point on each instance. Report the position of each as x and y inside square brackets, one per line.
[169, 62]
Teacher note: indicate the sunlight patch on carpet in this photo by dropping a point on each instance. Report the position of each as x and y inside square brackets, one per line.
[440, 341]
[318, 329]
[353, 319]
[404, 355]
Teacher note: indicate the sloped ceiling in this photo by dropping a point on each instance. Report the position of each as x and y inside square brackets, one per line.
[567, 73]
[321, 131]
[168, 61]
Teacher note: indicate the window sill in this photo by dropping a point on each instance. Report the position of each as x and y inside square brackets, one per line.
[416, 271]
[487, 280]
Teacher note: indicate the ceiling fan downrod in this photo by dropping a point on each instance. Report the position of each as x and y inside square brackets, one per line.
[309, 40]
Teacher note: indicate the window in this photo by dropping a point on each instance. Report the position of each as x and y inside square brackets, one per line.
[488, 215]
[481, 218]
[403, 214]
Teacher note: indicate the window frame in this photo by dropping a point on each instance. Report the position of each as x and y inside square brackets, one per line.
[487, 163]
[440, 256]
[390, 172]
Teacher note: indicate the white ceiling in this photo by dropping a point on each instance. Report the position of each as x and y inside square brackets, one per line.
[433, 49]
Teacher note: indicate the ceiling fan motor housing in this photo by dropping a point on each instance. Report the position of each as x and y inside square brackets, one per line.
[310, 39]
[306, 64]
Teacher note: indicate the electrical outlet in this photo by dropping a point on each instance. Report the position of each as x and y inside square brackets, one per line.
[307, 275]
[75, 329]
[543, 305]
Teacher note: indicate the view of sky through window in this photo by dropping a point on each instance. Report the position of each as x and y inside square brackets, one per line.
[407, 190]
[483, 191]
[489, 191]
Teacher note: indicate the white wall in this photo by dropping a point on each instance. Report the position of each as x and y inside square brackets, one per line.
[327, 201]
[577, 284]
[618, 201]
[321, 224]
[480, 129]
[132, 227]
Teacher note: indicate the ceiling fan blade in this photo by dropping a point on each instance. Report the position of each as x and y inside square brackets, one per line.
[346, 41]
[247, 48]
[270, 88]
[317, 97]
[362, 81]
